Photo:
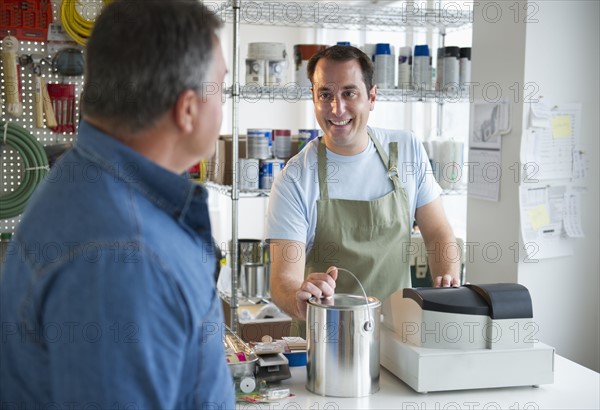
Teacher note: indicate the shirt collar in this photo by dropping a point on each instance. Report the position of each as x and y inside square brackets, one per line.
[179, 197]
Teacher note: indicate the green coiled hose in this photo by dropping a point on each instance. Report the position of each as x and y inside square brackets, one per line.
[35, 165]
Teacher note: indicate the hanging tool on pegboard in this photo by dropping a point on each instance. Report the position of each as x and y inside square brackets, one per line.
[27, 20]
[63, 103]
[43, 104]
[12, 78]
[75, 25]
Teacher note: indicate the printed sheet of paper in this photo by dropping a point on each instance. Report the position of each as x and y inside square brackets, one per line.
[485, 172]
[542, 212]
[551, 141]
[572, 214]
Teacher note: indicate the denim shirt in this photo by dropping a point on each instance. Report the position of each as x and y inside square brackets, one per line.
[108, 297]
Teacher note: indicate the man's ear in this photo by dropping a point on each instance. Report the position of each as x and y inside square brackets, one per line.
[372, 97]
[186, 111]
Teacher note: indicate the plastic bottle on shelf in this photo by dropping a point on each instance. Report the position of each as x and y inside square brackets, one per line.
[451, 68]
[421, 68]
[465, 66]
[404, 67]
[439, 80]
[384, 66]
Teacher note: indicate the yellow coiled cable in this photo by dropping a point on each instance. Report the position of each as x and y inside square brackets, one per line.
[74, 24]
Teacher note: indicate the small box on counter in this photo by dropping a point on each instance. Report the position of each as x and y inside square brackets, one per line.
[252, 330]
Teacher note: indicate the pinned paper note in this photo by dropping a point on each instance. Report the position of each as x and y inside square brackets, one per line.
[538, 216]
[561, 126]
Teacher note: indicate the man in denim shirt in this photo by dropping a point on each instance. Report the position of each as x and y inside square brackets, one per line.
[107, 297]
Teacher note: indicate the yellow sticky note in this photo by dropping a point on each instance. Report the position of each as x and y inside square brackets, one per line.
[538, 216]
[561, 126]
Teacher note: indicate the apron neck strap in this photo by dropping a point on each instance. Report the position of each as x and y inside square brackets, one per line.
[391, 163]
[322, 169]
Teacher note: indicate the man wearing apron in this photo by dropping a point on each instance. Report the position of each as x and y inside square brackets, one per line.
[349, 198]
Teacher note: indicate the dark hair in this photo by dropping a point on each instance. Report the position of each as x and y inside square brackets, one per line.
[142, 55]
[342, 54]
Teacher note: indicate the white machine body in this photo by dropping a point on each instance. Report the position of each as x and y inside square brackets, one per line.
[466, 338]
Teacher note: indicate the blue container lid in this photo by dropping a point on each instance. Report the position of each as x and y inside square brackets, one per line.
[422, 50]
[383, 48]
[343, 43]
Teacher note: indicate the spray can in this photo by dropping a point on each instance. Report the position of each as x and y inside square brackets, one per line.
[439, 80]
[421, 68]
[451, 67]
[404, 67]
[465, 67]
[384, 66]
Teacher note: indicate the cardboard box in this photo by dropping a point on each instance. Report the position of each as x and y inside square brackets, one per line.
[253, 330]
[220, 168]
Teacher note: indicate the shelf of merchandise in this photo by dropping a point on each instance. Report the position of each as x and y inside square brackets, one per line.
[292, 93]
[320, 15]
[338, 15]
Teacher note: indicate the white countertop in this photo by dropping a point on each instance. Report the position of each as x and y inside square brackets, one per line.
[575, 387]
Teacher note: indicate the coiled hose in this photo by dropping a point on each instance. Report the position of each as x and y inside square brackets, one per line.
[35, 165]
[77, 27]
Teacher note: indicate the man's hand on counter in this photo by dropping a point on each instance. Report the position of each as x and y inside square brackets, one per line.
[317, 284]
[446, 281]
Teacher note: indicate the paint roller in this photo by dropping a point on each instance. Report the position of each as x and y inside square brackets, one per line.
[13, 101]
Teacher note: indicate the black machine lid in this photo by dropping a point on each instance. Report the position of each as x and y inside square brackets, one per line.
[497, 300]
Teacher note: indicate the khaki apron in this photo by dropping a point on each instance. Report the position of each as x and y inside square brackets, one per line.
[369, 238]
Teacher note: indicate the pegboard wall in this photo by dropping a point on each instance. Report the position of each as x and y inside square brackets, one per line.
[11, 165]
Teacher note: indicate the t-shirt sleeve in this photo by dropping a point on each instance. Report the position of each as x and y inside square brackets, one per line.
[427, 187]
[287, 211]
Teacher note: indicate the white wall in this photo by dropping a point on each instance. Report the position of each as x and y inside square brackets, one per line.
[566, 290]
[559, 52]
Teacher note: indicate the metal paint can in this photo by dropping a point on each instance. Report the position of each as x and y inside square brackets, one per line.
[282, 143]
[249, 171]
[343, 345]
[269, 168]
[303, 53]
[255, 71]
[259, 142]
[276, 72]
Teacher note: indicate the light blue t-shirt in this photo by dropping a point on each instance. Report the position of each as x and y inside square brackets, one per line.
[293, 202]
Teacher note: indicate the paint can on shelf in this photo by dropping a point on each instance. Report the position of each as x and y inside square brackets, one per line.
[259, 143]
[303, 53]
[248, 169]
[305, 136]
[266, 63]
[282, 143]
[269, 168]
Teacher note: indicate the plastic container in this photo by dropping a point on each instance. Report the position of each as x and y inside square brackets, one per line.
[296, 358]
[439, 79]
[404, 67]
[465, 67]
[384, 66]
[422, 68]
[451, 67]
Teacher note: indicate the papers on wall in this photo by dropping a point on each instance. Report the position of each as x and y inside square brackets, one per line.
[489, 121]
[551, 213]
[543, 221]
[551, 142]
[572, 214]
[484, 174]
